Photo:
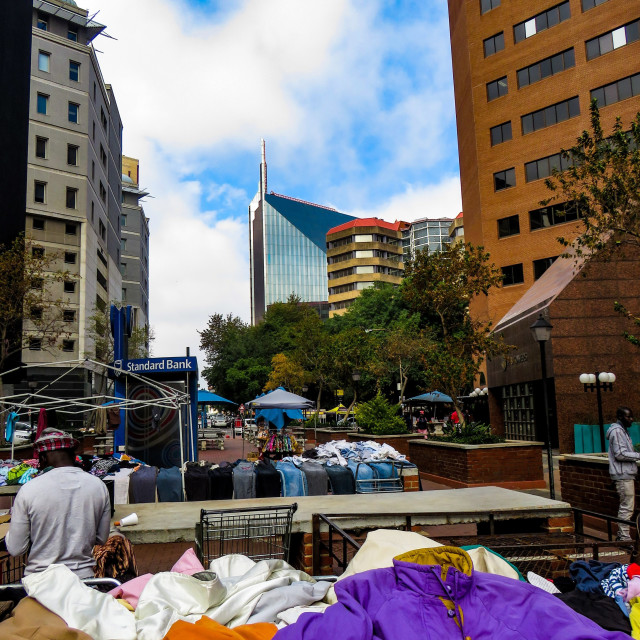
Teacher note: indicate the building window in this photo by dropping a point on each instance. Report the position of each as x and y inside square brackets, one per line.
[546, 68]
[44, 59]
[617, 91]
[94, 92]
[504, 179]
[70, 257]
[103, 119]
[71, 229]
[544, 167]
[545, 20]
[590, 4]
[72, 154]
[42, 22]
[123, 269]
[540, 266]
[487, 5]
[103, 229]
[37, 252]
[41, 147]
[72, 196]
[93, 135]
[37, 224]
[103, 156]
[123, 244]
[103, 193]
[69, 286]
[36, 313]
[72, 33]
[93, 211]
[613, 40]
[74, 111]
[500, 133]
[552, 215]
[364, 238]
[35, 344]
[512, 274]
[69, 315]
[124, 294]
[123, 220]
[549, 116]
[42, 104]
[93, 170]
[74, 71]
[39, 192]
[493, 44]
[497, 88]
[68, 345]
[509, 226]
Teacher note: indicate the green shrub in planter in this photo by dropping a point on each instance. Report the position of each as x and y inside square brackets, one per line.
[472, 433]
[379, 417]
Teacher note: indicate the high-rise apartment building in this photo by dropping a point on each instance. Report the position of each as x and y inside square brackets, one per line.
[134, 244]
[287, 248]
[61, 167]
[524, 76]
[456, 229]
[359, 254]
[425, 234]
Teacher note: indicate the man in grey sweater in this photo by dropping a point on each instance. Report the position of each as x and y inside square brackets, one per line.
[623, 467]
[62, 513]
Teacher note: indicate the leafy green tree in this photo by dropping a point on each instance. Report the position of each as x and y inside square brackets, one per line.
[379, 417]
[29, 307]
[440, 287]
[286, 373]
[603, 185]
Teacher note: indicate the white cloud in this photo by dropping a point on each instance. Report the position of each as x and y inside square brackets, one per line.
[442, 200]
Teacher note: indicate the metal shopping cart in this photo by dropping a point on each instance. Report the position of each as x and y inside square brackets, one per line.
[256, 532]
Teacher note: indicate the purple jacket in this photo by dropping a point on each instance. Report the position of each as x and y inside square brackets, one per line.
[435, 594]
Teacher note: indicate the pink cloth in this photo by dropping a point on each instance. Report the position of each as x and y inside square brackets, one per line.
[42, 422]
[131, 590]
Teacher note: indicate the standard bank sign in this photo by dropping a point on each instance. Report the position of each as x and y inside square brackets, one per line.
[164, 365]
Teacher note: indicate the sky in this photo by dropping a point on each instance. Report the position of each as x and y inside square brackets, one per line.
[353, 97]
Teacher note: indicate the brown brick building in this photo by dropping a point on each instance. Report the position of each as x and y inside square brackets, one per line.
[524, 75]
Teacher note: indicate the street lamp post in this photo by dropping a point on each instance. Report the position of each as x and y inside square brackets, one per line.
[598, 382]
[541, 330]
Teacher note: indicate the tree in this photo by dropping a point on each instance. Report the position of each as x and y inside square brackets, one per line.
[379, 417]
[286, 373]
[30, 311]
[603, 186]
[440, 287]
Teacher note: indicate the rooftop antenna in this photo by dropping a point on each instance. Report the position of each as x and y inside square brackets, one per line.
[263, 170]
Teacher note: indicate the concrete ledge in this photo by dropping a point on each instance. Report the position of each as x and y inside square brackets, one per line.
[494, 445]
[515, 484]
[175, 521]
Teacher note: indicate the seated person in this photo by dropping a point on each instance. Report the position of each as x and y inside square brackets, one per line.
[62, 514]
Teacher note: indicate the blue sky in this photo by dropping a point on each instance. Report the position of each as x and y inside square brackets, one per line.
[353, 97]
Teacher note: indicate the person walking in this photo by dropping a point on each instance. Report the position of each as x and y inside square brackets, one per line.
[623, 467]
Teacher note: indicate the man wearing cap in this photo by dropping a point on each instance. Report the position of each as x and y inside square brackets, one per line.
[62, 514]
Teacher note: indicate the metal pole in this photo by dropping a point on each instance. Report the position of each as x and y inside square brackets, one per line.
[543, 363]
[184, 493]
[600, 418]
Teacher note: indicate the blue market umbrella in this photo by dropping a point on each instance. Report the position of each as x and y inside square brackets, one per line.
[277, 404]
[206, 397]
[432, 396]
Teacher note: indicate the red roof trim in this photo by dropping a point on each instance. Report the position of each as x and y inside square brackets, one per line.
[369, 222]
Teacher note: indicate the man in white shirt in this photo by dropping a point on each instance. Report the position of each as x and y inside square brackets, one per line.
[62, 514]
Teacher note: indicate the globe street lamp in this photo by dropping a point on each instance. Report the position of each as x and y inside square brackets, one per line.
[598, 381]
[541, 330]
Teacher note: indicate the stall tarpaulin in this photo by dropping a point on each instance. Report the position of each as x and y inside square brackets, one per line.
[273, 406]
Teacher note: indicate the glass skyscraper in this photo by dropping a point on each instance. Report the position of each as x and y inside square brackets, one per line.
[427, 233]
[288, 249]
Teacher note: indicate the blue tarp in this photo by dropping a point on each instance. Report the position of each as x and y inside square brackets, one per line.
[433, 396]
[206, 397]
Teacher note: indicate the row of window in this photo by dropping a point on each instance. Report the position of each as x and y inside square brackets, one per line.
[362, 237]
[44, 65]
[514, 273]
[617, 91]
[539, 219]
[68, 315]
[352, 286]
[613, 40]
[542, 21]
[43, 23]
[70, 257]
[551, 115]
[534, 170]
[366, 253]
[35, 344]
[69, 286]
[365, 269]
[487, 5]
[42, 151]
[70, 228]
[42, 107]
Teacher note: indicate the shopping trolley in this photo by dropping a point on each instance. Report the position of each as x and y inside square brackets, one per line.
[256, 532]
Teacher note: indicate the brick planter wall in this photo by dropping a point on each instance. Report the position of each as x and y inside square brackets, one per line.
[512, 465]
[586, 484]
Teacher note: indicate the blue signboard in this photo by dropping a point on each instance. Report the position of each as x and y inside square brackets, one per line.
[188, 364]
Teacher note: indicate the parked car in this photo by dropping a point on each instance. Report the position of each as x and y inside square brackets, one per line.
[238, 430]
[249, 422]
[220, 420]
[349, 422]
[24, 433]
